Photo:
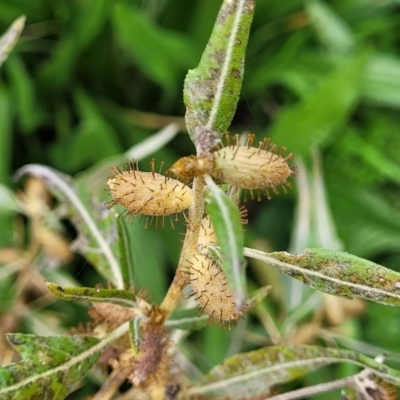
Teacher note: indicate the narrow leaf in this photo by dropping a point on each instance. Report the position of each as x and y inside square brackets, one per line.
[10, 38]
[253, 373]
[212, 89]
[126, 257]
[225, 219]
[94, 222]
[50, 366]
[337, 273]
[331, 29]
[114, 296]
[29, 113]
[310, 122]
[159, 53]
[381, 83]
[134, 333]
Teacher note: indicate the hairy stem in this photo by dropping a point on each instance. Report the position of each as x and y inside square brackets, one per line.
[189, 248]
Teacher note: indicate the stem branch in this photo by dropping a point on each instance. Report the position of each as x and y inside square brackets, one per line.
[189, 248]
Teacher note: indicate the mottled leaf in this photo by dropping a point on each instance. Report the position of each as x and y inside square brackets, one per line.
[249, 374]
[212, 89]
[50, 366]
[97, 227]
[114, 296]
[225, 219]
[9, 39]
[337, 273]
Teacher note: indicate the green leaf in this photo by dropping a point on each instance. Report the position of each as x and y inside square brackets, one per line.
[5, 162]
[114, 296]
[331, 29]
[185, 319]
[258, 296]
[211, 90]
[125, 252]
[50, 366]
[8, 201]
[87, 21]
[160, 54]
[5, 134]
[225, 219]
[257, 371]
[150, 264]
[97, 227]
[95, 139]
[310, 122]
[373, 156]
[24, 96]
[369, 222]
[10, 38]
[337, 273]
[381, 83]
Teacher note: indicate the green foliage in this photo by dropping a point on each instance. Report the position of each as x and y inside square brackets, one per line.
[114, 296]
[337, 273]
[88, 80]
[225, 219]
[257, 371]
[50, 366]
[212, 88]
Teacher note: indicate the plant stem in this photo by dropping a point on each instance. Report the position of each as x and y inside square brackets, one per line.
[189, 248]
[316, 389]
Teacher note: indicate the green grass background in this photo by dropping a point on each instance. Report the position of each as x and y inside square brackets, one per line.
[319, 75]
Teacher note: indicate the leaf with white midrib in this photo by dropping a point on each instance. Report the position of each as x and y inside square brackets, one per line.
[59, 370]
[58, 181]
[337, 273]
[255, 372]
[212, 89]
[225, 219]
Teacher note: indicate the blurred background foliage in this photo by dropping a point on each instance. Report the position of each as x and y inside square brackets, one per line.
[90, 79]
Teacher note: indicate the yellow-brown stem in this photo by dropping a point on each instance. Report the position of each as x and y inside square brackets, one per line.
[189, 248]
